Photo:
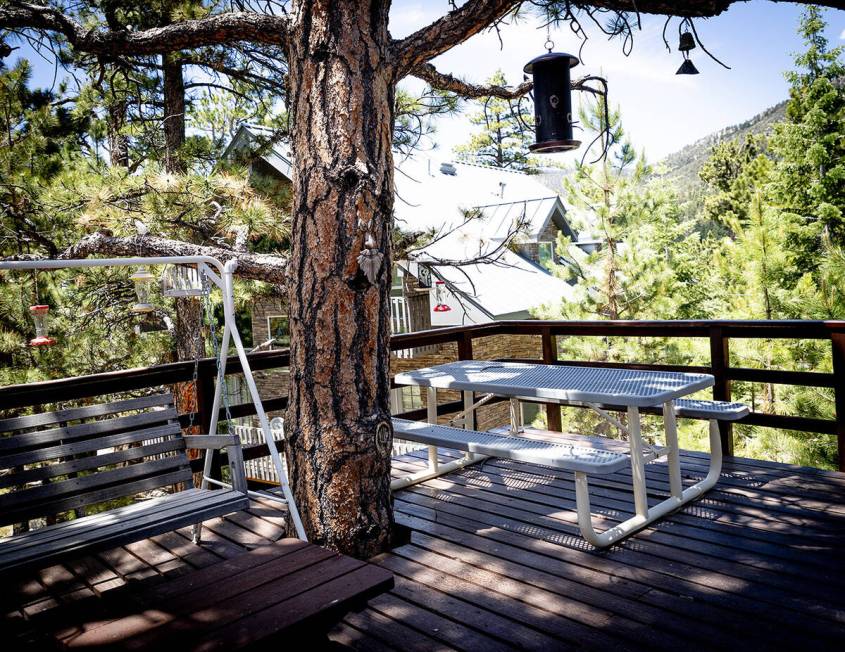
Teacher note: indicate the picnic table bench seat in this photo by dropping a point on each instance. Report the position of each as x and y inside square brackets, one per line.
[571, 457]
[73, 471]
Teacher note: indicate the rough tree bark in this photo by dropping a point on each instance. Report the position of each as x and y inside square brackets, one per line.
[341, 102]
[173, 122]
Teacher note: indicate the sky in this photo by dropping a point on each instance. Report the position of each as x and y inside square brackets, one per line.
[661, 111]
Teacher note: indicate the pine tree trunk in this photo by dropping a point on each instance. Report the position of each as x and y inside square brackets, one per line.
[118, 141]
[341, 114]
[174, 113]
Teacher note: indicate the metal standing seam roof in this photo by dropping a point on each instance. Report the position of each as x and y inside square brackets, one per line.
[567, 384]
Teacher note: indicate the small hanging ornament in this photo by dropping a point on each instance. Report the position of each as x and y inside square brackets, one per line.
[441, 305]
[181, 281]
[370, 258]
[41, 317]
[143, 280]
[552, 101]
[687, 43]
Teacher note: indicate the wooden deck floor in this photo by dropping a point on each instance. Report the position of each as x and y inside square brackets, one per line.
[495, 563]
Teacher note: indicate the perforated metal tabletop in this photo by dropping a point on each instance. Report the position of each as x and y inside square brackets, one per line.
[559, 383]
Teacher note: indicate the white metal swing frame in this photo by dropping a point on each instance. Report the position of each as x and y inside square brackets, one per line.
[221, 275]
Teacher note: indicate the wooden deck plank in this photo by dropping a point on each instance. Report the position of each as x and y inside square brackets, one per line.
[784, 592]
[678, 545]
[736, 606]
[495, 563]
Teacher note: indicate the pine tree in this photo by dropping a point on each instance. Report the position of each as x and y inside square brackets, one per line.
[808, 184]
[506, 131]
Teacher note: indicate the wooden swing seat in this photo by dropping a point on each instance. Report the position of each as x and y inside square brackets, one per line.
[64, 470]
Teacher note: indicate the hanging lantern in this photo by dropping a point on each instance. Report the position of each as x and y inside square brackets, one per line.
[441, 306]
[552, 102]
[183, 281]
[143, 280]
[41, 315]
[687, 43]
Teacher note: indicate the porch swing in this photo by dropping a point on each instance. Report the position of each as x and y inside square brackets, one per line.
[65, 461]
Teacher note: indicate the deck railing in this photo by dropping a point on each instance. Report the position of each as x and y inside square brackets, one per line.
[718, 333]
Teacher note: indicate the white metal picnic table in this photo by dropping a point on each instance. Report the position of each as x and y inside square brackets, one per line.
[587, 386]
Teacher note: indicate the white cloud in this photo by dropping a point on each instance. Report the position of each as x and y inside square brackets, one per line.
[842, 34]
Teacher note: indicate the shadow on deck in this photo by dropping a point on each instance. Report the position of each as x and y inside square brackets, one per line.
[496, 562]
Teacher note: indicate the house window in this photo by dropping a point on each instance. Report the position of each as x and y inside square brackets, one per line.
[277, 327]
[396, 286]
[546, 253]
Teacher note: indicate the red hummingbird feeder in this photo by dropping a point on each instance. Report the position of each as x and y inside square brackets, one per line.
[438, 293]
[40, 315]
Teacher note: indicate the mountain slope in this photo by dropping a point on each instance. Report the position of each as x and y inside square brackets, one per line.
[683, 165]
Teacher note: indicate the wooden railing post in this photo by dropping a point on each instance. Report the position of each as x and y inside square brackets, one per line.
[553, 421]
[465, 346]
[837, 342]
[719, 363]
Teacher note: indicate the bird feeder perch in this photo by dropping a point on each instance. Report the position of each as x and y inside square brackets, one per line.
[552, 102]
[41, 316]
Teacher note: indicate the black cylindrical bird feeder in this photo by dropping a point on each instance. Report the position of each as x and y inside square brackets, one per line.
[552, 102]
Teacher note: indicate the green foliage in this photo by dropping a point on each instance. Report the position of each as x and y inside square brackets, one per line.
[506, 131]
[764, 240]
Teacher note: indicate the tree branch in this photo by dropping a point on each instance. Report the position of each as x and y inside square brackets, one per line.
[257, 267]
[227, 27]
[446, 82]
[448, 31]
[476, 15]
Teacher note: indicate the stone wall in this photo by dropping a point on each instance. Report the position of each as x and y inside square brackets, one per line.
[484, 348]
[274, 382]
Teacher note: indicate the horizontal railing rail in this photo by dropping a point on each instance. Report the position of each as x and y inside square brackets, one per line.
[718, 333]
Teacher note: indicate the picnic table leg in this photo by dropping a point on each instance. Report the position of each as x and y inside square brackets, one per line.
[673, 456]
[431, 404]
[516, 417]
[469, 418]
[643, 517]
[637, 464]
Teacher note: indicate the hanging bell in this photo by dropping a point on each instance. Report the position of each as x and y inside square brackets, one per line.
[143, 280]
[687, 42]
[552, 102]
[40, 316]
[687, 68]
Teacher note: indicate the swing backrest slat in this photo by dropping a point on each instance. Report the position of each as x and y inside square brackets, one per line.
[69, 459]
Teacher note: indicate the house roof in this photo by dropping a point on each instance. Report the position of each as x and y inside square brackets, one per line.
[472, 210]
[431, 196]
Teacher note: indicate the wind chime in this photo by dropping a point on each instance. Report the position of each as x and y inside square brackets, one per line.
[685, 44]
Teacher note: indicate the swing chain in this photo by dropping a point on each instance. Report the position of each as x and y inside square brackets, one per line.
[199, 349]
